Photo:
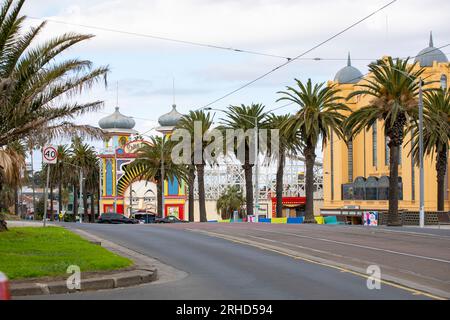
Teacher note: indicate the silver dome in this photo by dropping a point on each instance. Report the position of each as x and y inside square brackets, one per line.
[427, 56]
[170, 119]
[348, 74]
[117, 121]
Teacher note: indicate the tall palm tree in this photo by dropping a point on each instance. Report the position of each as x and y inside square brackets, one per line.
[436, 135]
[149, 159]
[229, 201]
[393, 90]
[243, 117]
[320, 113]
[62, 170]
[34, 80]
[188, 123]
[289, 143]
[84, 156]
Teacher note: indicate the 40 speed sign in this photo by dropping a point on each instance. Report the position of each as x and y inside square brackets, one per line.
[50, 154]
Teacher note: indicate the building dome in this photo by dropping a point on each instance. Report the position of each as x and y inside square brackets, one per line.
[348, 74]
[427, 56]
[117, 121]
[170, 119]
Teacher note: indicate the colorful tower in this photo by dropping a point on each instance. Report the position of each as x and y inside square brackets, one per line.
[116, 153]
[174, 191]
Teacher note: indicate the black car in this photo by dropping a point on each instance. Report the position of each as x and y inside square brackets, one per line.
[145, 217]
[116, 218]
[169, 219]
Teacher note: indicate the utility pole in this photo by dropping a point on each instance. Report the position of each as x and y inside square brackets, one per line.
[115, 180]
[256, 171]
[162, 179]
[422, 189]
[81, 196]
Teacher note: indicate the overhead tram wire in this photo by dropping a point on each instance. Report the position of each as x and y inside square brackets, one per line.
[187, 42]
[302, 54]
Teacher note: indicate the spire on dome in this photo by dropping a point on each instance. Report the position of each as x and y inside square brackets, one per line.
[431, 39]
[349, 60]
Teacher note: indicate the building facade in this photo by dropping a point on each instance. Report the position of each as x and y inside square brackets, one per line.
[121, 190]
[357, 175]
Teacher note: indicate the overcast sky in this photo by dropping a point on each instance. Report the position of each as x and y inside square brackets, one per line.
[145, 67]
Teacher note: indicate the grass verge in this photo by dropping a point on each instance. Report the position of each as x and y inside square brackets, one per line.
[37, 252]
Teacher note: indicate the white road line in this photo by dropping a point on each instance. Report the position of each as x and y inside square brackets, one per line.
[360, 246]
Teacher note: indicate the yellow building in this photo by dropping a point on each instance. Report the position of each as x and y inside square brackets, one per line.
[356, 176]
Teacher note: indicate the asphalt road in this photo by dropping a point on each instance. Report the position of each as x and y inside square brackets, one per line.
[221, 264]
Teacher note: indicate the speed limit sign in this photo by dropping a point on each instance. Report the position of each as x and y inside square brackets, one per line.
[50, 154]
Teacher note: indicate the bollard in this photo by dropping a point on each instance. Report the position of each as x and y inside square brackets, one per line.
[4, 287]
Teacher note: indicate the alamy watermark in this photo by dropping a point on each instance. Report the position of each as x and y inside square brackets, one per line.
[73, 282]
[210, 146]
[374, 280]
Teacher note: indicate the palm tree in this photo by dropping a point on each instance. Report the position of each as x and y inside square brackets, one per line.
[393, 90]
[289, 143]
[85, 157]
[12, 164]
[320, 114]
[34, 80]
[229, 201]
[62, 170]
[148, 163]
[244, 118]
[436, 135]
[188, 123]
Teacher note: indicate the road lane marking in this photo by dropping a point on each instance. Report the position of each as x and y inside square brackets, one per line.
[359, 246]
[298, 257]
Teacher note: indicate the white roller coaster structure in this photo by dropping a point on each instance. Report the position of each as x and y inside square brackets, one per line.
[230, 173]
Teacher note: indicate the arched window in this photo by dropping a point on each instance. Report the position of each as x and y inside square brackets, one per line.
[383, 188]
[360, 188]
[372, 188]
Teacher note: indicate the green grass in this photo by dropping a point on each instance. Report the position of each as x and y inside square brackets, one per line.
[38, 252]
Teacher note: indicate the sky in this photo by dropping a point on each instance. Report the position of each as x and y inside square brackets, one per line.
[146, 68]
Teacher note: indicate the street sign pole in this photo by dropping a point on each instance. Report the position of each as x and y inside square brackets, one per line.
[46, 195]
[50, 154]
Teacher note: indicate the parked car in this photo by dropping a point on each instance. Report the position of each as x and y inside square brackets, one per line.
[169, 219]
[116, 218]
[145, 217]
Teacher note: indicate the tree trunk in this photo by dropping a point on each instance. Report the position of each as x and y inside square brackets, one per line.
[248, 183]
[16, 201]
[85, 203]
[279, 186]
[75, 202]
[92, 216]
[310, 159]
[191, 181]
[159, 191]
[201, 192]
[393, 216]
[441, 168]
[98, 201]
